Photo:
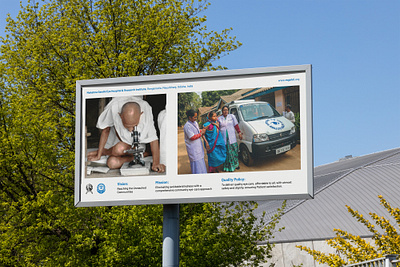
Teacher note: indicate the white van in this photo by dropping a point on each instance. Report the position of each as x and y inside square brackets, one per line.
[265, 131]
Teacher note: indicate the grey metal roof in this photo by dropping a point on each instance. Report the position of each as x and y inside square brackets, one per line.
[355, 182]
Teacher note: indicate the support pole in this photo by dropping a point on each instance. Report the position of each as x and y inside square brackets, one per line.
[389, 259]
[170, 235]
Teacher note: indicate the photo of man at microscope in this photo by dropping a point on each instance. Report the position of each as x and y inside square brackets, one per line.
[126, 128]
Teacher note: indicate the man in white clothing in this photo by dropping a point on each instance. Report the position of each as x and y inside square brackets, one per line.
[289, 113]
[117, 122]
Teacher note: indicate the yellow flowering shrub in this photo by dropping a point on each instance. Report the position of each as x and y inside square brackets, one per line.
[352, 248]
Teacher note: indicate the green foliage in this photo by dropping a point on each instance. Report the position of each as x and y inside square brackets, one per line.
[187, 101]
[50, 46]
[223, 234]
[48, 230]
[209, 98]
[353, 249]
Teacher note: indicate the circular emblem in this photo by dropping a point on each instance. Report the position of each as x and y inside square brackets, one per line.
[275, 124]
[101, 188]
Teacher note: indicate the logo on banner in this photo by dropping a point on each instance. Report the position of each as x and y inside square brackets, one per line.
[101, 188]
[89, 188]
[275, 124]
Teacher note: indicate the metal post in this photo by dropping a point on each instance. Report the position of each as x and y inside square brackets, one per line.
[170, 235]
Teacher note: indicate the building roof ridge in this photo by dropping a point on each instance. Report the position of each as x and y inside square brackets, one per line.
[385, 164]
[357, 157]
[335, 180]
[339, 171]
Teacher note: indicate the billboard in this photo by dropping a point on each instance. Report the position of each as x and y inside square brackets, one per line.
[195, 137]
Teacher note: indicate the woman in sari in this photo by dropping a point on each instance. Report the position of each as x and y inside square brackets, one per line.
[228, 124]
[214, 143]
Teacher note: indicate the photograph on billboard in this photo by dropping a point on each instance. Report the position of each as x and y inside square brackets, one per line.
[122, 135]
[195, 137]
[258, 126]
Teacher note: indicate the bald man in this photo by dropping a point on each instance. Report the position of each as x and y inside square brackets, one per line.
[117, 122]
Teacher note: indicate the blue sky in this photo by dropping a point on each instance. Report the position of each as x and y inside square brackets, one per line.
[354, 49]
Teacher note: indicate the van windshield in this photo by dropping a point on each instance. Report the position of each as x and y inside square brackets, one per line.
[258, 111]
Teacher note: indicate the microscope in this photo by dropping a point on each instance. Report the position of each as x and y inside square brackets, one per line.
[138, 166]
[135, 150]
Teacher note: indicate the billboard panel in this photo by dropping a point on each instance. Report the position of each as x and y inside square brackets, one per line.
[195, 137]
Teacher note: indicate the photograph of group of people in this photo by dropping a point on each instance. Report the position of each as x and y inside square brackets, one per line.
[240, 130]
[218, 135]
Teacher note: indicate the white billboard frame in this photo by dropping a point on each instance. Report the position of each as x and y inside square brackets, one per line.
[174, 188]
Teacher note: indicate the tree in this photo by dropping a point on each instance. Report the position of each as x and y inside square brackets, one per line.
[209, 98]
[353, 249]
[226, 234]
[187, 101]
[50, 46]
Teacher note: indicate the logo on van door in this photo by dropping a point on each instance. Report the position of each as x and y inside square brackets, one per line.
[275, 124]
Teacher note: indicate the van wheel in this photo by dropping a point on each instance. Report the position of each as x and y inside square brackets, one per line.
[246, 156]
